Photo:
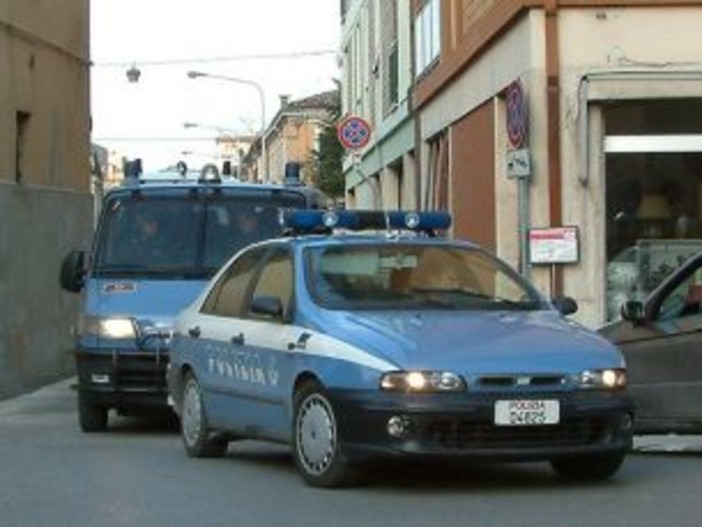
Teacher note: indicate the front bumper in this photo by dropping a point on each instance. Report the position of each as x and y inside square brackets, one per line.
[462, 425]
[123, 379]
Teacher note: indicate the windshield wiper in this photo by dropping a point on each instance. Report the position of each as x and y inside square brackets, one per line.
[153, 270]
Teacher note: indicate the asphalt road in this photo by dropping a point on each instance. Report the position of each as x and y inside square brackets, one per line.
[138, 475]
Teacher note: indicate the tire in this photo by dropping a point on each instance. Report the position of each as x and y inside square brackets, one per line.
[316, 442]
[588, 468]
[91, 417]
[198, 439]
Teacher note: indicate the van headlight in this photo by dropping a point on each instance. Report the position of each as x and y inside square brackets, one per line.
[608, 379]
[422, 381]
[107, 327]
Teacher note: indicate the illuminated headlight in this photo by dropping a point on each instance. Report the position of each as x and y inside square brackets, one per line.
[422, 381]
[604, 379]
[107, 327]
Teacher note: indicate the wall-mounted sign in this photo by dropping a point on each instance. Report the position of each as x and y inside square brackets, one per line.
[517, 115]
[554, 245]
[518, 163]
[354, 132]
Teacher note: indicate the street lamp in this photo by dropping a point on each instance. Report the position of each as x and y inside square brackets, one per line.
[259, 88]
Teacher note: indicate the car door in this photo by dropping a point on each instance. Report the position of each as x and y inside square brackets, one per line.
[221, 357]
[269, 339]
[664, 355]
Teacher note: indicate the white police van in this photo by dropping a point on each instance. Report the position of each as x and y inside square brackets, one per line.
[155, 246]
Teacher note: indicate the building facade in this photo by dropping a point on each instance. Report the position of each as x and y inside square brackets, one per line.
[293, 134]
[377, 78]
[45, 203]
[566, 136]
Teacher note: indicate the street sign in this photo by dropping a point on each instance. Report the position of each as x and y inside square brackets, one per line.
[354, 132]
[518, 163]
[517, 115]
[553, 245]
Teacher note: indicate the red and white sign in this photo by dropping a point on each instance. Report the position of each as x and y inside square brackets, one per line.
[354, 132]
[554, 245]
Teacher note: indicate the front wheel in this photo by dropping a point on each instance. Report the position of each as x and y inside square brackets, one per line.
[588, 468]
[316, 445]
[92, 417]
[198, 439]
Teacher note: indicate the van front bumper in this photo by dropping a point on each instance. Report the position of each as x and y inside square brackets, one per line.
[123, 379]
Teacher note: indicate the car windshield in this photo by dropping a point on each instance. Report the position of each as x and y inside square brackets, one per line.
[185, 235]
[415, 276]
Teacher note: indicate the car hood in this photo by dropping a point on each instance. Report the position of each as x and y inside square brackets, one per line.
[477, 342]
[152, 303]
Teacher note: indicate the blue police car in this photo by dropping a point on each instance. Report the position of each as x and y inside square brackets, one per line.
[353, 346]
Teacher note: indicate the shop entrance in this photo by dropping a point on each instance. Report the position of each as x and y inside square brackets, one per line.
[653, 174]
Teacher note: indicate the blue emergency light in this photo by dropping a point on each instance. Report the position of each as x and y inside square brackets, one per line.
[324, 221]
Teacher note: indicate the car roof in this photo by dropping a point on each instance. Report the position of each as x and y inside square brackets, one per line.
[379, 238]
[157, 186]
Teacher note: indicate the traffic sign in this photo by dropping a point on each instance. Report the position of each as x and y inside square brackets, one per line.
[354, 132]
[517, 115]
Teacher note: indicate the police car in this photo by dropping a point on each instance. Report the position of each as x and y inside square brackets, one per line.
[353, 346]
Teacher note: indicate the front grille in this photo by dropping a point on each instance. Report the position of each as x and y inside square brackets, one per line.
[506, 381]
[456, 434]
[141, 372]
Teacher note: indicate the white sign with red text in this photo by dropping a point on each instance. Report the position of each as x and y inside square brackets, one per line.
[554, 245]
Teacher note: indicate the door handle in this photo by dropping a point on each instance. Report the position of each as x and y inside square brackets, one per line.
[238, 340]
[194, 332]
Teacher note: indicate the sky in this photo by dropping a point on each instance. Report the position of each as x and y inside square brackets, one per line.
[165, 39]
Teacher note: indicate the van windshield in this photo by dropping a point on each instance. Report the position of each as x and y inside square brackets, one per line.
[183, 235]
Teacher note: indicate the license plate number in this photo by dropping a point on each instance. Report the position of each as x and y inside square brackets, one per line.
[527, 412]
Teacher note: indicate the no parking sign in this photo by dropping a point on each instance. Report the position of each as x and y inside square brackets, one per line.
[354, 132]
[517, 115]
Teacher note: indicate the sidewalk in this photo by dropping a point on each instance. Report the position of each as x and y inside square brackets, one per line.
[669, 443]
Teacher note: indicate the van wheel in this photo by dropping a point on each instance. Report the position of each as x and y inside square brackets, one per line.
[92, 417]
[316, 441]
[588, 468]
[198, 439]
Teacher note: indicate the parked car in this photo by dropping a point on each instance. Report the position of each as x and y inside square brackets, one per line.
[357, 346]
[661, 339]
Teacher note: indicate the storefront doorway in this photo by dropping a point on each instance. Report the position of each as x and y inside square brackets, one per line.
[653, 174]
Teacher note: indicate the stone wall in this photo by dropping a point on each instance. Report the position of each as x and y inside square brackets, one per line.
[38, 226]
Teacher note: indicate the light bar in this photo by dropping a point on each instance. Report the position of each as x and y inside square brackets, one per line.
[320, 221]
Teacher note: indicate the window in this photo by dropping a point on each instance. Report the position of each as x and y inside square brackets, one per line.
[427, 35]
[276, 279]
[228, 297]
[409, 277]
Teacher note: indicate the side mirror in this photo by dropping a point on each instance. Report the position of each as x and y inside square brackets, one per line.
[73, 271]
[565, 305]
[633, 311]
[269, 306]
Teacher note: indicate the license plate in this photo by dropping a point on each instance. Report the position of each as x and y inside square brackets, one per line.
[527, 412]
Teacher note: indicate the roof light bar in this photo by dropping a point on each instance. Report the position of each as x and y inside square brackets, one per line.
[320, 221]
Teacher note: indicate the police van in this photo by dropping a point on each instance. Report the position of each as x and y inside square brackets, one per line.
[156, 244]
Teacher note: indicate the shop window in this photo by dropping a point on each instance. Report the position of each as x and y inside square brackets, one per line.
[653, 194]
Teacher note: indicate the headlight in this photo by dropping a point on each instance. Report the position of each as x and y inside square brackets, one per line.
[422, 381]
[603, 379]
[108, 328]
